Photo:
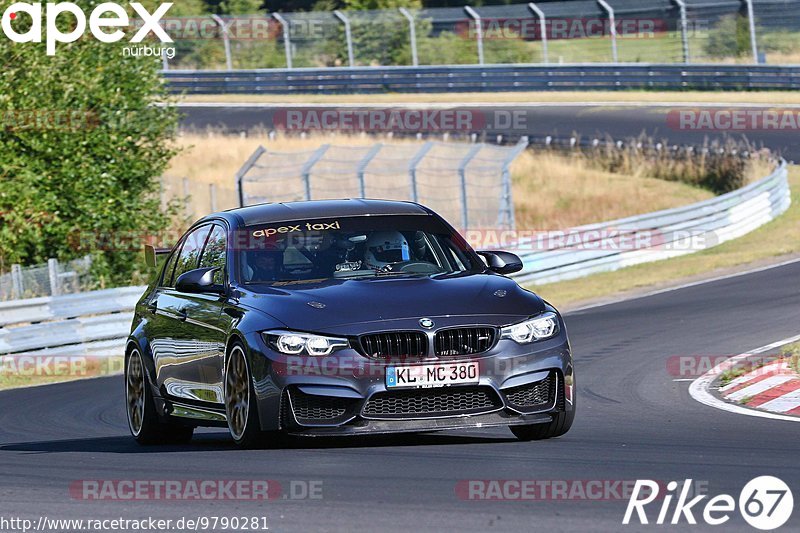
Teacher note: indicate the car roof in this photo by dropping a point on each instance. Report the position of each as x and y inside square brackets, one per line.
[285, 211]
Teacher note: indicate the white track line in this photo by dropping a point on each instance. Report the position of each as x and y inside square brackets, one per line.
[699, 387]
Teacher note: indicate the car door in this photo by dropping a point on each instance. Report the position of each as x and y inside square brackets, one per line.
[207, 325]
[177, 344]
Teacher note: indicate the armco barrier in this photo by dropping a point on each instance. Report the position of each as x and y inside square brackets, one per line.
[711, 222]
[50, 308]
[96, 323]
[485, 78]
[89, 323]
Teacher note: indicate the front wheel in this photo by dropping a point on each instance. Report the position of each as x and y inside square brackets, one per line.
[143, 420]
[241, 407]
[560, 424]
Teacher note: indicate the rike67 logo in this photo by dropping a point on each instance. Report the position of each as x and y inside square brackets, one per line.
[103, 23]
[765, 502]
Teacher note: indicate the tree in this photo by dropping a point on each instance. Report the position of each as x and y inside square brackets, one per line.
[81, 148]
[730, 37]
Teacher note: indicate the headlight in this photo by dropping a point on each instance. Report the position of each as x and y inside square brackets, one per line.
[542, 327]
[293, 343]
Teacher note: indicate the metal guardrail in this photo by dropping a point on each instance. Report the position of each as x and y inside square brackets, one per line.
[485, 78]
[89, 323]
[51, 308]
[710, 223]
[96, 323]
[63, 333]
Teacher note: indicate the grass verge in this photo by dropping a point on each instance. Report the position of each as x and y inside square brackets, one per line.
[767, 98]
[740, 370]
[27, 371]
[792, 352]
[780, 237]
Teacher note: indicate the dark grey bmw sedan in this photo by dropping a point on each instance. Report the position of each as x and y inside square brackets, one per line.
[341, 317]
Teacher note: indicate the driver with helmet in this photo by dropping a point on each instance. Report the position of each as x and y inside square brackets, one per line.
[386, 248]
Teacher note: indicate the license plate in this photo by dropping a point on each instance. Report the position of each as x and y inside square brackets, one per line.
[431, 375]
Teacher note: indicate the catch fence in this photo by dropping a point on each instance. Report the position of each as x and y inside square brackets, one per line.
[561, 32]
[468, 184]
[53, 278]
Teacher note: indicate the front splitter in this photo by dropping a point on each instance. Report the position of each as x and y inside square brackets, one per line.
[380, 427]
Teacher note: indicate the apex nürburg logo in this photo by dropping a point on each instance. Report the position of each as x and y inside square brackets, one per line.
[101, 22]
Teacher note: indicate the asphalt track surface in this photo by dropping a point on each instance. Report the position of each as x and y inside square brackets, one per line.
[619, 121]
[634, 421]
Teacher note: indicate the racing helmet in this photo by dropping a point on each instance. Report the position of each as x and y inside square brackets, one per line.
[265, 263]
[386, 248]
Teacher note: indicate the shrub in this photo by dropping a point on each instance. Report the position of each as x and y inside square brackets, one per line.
[719, 167]
[80, 147]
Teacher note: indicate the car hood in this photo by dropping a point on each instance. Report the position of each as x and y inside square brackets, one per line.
[330, 306]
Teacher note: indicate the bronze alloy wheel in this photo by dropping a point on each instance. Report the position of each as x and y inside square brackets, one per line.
[135, 392]
[237, 393]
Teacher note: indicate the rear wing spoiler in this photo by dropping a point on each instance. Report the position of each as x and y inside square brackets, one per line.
[151, 254]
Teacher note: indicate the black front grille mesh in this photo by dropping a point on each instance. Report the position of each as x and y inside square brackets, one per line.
[463, 341]
[398, 344]
[309, 408]
[538, 394]
[431, 402]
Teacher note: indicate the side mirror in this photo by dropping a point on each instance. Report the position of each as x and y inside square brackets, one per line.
[151, 255]
[198, 280]
[502, 262]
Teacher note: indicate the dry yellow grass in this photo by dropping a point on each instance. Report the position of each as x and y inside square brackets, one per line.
[22, 371]
[550, 190]
[555, 191]
[773, 241]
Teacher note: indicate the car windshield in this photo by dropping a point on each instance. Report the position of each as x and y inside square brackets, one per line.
[353, 248]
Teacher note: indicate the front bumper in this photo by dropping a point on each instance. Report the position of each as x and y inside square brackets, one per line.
[346, 393]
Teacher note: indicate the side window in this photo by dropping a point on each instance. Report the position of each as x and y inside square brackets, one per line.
[214, 253]
[168, 279]
[455, 256]
[190, 252]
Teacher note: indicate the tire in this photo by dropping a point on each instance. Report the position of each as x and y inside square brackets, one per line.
[241, 409]
[143, 421]
[560, 424]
